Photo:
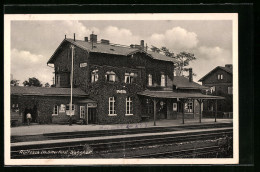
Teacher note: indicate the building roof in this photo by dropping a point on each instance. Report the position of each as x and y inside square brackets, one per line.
[112, 49]
[227, 69]
[182, 82]
[172, 94]
[43, 91]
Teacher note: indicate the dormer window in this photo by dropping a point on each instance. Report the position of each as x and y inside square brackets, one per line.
[220, 76]
[129, 77]
[163, 80]
[110, 76]
[94, 76]
[150, 80]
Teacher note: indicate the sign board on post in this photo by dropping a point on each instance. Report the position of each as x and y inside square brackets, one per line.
[174, 108]
[62, 108]
[70, 112]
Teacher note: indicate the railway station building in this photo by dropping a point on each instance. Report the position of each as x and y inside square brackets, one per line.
[113, 84]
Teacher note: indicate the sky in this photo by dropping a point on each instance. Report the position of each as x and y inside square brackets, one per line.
[34, 42]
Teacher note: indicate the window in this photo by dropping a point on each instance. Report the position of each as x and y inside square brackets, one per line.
[129, 77]
[149, 105]
[189, 107]
[212, 89]
[220, 76]
[129, 106]
[68, 107]
[55, 110]
[94, 76]
[82, 112]
[150, 80]
[230, 90]
[110, 76]
[15, 108]
[163, 80]
[57, 79]
[111, 108]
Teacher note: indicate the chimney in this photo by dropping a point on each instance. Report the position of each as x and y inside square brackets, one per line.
[104, 41]
[86, 39]
[190, 75]
[93, 38]
[65, 36]
[142, 44]
[230, 66]
[74, 36]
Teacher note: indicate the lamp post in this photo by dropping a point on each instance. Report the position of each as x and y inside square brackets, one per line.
[71, 83]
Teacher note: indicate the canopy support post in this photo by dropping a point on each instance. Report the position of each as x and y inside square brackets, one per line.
[154, 111]
[216, 104]
[183, 109]
[193, 105]
[200, 102]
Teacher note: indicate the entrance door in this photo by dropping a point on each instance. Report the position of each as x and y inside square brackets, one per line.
[162, 110]
[34, 114]
[92, 116]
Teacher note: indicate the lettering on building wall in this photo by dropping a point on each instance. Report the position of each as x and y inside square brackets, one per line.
[83, 65]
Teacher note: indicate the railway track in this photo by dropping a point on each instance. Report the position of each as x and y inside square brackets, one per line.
[188, 153]
[117, 145]
[99, 133]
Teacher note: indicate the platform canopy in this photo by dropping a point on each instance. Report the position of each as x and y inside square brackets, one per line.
[173, 94]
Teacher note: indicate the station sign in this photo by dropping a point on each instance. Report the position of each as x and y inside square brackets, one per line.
[121, 91]
[92, 105]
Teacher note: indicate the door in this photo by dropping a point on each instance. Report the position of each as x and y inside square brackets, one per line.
[92, 116]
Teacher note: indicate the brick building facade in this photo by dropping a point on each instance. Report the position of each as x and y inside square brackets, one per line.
[112, 76]
[46, 105]
[111, 84]
[220, 82]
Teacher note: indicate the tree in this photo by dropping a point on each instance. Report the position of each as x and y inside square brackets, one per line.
[47, 84]
[32, 82]
[183, 59]
[155, 49]
[14, 82]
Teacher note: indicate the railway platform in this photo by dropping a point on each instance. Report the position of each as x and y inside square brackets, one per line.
[106, 140]
[55, 128]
